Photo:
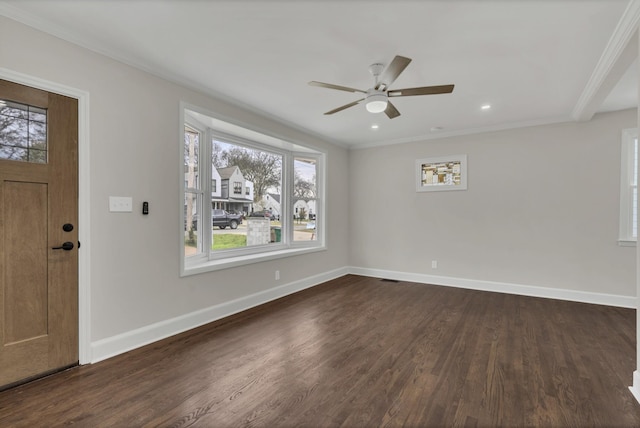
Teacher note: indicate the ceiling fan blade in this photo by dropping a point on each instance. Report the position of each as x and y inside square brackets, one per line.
[346, 106]
[338, 87]
[425, 90]
[391, 111]
[392, 72]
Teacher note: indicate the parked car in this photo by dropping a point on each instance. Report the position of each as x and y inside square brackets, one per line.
[264, 214]
[222, 219]
[240, 213]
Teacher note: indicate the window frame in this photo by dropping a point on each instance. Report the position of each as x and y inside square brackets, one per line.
[218, 127]
[628, 175]
[237, 188]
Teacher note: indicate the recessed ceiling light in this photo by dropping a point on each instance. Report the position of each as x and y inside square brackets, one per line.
[374, 126]
[486, 107]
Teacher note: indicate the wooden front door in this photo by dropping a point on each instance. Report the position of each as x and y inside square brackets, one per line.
[38, 232]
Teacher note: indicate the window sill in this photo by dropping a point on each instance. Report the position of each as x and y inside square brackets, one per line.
[626, 243]
[198, 267]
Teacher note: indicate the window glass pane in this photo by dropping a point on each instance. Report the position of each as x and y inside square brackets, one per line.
[14, 110]
[247, 210]
[191, 242]
[37, 115]
[14, 132]
[191, 167]
[37, 156]
[23, 132]
[38, 135]
[13, 153]
[304, 199]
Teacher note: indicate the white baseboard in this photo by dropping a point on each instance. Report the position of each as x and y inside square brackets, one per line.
[502, 287]
[635, 389]
[121, 343]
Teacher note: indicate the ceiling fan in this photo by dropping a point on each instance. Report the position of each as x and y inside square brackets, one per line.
[377, 97]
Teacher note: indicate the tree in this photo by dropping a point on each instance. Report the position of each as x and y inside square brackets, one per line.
[191, 151]
[191, 142]
[303, 189]
[302, 214]
[22, 138]
[216, 154]
[262, 168]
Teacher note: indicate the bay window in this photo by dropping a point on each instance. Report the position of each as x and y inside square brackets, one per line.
[269, 204]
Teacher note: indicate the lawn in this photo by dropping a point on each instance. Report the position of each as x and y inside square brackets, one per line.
[221, 242]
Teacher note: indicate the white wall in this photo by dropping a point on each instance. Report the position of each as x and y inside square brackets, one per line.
[249, 184]
[541, 209]
[135, 141]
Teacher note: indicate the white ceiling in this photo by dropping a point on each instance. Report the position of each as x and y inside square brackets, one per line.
[530, 59]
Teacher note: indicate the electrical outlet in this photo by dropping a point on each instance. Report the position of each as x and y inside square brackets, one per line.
[277, 275]
[434, 264]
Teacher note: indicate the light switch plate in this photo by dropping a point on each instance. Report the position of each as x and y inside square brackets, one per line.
[120, 204]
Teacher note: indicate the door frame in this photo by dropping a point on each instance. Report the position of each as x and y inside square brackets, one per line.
[84, 288]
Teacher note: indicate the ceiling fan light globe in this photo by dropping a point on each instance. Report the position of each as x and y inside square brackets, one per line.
[376, 103]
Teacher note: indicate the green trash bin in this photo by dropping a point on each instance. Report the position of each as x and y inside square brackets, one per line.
[278, 233]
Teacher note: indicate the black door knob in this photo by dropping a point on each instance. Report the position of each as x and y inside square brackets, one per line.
[67, 227]
[67, 246]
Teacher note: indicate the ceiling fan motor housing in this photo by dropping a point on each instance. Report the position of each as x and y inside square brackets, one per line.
[376, 101]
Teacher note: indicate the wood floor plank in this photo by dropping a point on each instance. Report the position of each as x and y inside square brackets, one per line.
[361, 352]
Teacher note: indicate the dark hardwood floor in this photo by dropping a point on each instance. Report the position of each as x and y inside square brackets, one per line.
[361, 352]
